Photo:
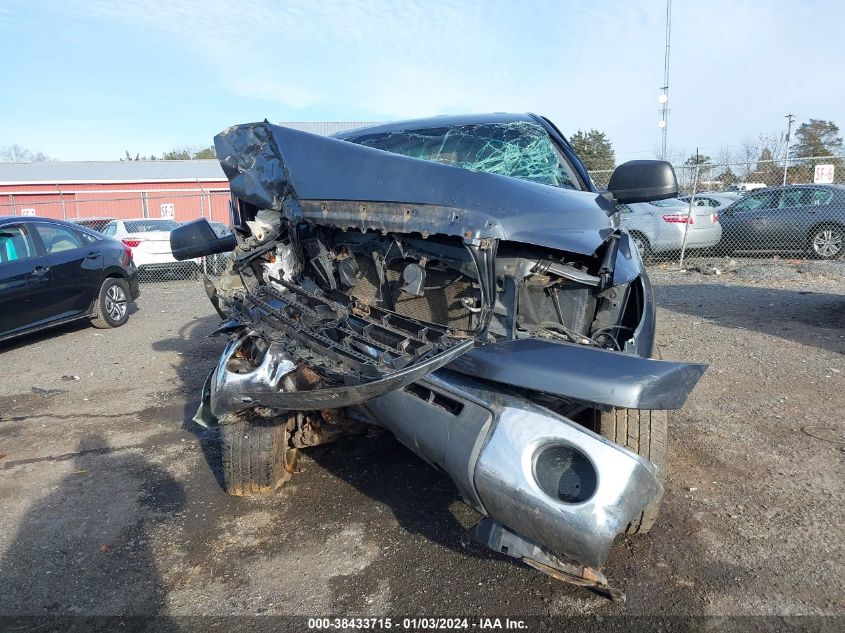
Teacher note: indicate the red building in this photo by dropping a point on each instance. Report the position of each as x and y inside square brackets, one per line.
[182, 189]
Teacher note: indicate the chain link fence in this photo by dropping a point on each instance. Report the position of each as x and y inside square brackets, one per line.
[140, 219]
[725, 213]
[760, 209]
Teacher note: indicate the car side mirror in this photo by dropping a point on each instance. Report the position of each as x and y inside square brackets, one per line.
[197, 238]
[643, 181]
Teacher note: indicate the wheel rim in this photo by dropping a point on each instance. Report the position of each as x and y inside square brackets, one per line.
[639, 242]
[116, 303]
[827, 243]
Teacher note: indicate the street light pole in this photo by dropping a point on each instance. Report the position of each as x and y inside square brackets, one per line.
[790, 118]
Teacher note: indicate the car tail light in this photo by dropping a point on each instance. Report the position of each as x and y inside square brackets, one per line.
[131, 243]
[679, 218]
[127, 255]
[715, 217]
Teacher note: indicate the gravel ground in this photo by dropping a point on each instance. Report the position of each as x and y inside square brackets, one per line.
[112, 502]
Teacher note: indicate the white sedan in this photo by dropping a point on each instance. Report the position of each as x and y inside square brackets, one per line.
[149, 239]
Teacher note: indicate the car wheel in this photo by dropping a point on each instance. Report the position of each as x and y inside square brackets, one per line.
[643, 246]
[111, 309]
[827, 242]
[646, 433]
[255, 454]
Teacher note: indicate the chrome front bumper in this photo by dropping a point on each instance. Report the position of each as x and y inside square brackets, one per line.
[583, 529]
[493, 449]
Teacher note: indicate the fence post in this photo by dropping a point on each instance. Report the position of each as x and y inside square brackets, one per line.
[689, 214]
[62, 199]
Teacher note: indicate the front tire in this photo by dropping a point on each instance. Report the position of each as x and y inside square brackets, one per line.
[111, 309]
[255, 453]
[646, 433]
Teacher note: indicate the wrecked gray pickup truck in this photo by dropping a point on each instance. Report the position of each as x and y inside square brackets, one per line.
[460, 282]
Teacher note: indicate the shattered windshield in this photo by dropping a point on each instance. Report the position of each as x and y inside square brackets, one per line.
[518, 149]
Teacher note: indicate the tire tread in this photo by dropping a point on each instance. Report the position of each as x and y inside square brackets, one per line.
[645, 433]
[254, 452]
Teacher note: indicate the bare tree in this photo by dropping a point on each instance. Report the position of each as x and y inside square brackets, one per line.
[725, 156]
[750, 151]
[20, 154]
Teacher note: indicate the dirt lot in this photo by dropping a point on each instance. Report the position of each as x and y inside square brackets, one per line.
[111, 502]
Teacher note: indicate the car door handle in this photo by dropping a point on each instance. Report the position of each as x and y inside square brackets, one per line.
[93, 255]
[40, 271]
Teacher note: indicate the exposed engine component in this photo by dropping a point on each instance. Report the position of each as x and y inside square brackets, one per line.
[284, 264]
[413, 277]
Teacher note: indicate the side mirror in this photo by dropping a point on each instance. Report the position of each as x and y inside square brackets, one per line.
[643, 181]
[197, 238]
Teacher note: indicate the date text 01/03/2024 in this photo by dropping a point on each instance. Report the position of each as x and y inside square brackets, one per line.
[415, 623]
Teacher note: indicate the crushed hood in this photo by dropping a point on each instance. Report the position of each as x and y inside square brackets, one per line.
[338, 183]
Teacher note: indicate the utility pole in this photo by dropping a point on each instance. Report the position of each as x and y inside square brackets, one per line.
[790, 118]
[663, 99]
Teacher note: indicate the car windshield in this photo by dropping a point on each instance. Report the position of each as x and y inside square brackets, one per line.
[518, 149]
[146, 226]
[671, 202]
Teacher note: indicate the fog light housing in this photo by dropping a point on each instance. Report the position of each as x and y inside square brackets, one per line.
[565, 473]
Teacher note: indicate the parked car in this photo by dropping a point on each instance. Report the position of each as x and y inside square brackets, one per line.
[715, 199]
[659, 226]
[149, 239]
[214, 264]
[792, 219]
[460, 282]
[95, 224]
[53, 272]
[743, 188]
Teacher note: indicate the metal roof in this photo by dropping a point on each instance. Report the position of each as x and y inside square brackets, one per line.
[111, 171]
[325, 128]
[78, 172]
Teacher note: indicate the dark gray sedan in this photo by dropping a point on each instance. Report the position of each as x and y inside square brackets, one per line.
[792, 219]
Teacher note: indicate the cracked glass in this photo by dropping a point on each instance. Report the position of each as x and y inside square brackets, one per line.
[518, 149]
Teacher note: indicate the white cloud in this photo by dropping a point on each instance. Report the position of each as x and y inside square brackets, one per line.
[737, 66]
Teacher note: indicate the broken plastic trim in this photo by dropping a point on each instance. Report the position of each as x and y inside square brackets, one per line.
[497, 537]
[583, 373]
[356, 351]
[231, 392]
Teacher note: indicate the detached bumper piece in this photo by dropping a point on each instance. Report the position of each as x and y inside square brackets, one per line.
[497, 537]
[352, 352]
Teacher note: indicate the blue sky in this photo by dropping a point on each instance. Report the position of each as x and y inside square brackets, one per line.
[85, 80]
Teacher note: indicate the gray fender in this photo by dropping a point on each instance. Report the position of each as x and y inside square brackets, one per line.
[579, 372]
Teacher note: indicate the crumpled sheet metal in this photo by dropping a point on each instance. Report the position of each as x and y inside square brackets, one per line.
[253, 165]
[335, 182]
